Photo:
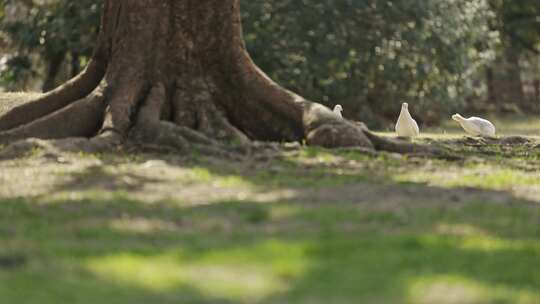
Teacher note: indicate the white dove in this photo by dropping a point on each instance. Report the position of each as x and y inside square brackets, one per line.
[337, 110]
[475, 126]
[406, 126]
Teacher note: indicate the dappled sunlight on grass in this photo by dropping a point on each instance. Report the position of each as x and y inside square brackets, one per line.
[485, 243]
[285, 211]
[309, 225]
[157, 273]
[524, 185]
[313, 155]
[459, 229]
[478, 176]
[278, 252]
[482, 242]
[142, 225]
[458, 289]
[204, 175]
[247, 273]
[446, 289]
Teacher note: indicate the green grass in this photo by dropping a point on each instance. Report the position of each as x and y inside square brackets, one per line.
[125, 251]
[314, 226]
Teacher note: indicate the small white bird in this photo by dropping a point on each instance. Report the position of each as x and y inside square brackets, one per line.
[475, 126]
[406, 126]
[337, 110]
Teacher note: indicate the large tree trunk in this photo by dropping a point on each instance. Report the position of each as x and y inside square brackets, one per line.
[174, 72]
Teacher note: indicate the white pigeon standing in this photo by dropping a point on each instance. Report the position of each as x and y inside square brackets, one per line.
[406, 126]
[337, 110]
[475, 126]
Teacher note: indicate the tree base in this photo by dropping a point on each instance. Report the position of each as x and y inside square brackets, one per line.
[176, 74]
[59, 131]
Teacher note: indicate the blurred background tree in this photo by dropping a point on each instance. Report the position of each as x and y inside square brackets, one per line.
[371, 55]
[439, 55]
[48, 41]
[513, 79]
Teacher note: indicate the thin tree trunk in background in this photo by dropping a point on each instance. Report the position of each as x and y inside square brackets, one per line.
[516, 93]
[491, 89]
[53, 69]
[537, 93]
[75, 64]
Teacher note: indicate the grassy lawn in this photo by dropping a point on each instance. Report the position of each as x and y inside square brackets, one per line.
[309, 226]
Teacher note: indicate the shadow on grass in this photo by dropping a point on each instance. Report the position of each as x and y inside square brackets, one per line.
[314, 176]
[126, 251]
[346, 234]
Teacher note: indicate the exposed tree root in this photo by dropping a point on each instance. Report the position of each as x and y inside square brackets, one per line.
[75, 89]
[325, 129]
[198, 110]
[181, 139]
[399, 146]
[106, 141]
[151, 132]
[81, 118]
[214, 123]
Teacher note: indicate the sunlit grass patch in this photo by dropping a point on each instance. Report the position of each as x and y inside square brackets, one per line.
[458, 229]
[477, 176]
[315, 178]
[246, 273]
[314, 155]
[280, 252]
[204, 175]
[480, 242]
[446, 290]
[141, 225]
[454, 288]
[315, 168]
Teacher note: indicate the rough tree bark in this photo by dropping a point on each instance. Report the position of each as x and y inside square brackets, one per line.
[177, 73]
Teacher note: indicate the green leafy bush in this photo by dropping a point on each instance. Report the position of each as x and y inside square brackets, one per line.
[371, 55]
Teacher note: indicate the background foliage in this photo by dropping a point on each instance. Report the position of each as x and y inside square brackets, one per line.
[438, 55]
[44, 35]
[371, 55]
